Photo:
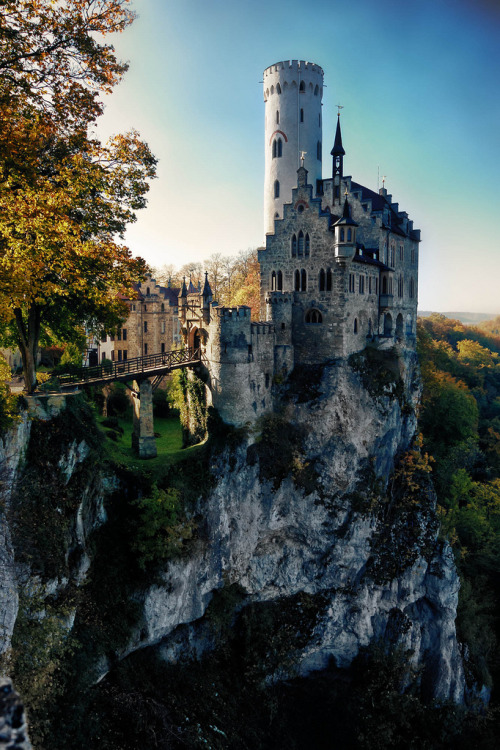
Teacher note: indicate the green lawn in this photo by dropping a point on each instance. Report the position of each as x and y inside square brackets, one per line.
[168, 443]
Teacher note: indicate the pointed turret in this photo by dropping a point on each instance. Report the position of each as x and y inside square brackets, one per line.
[183, 301]
[338, 154]
[207, 292]
[207, 299]
[345, 234]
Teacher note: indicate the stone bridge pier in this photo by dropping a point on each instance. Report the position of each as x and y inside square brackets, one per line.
[143, 435]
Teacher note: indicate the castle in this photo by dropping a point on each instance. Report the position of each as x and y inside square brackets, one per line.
[339, 270]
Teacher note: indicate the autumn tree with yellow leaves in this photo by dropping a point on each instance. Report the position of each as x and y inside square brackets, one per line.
[65, 197]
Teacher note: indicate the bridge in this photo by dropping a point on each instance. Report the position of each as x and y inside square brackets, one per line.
[140, 370]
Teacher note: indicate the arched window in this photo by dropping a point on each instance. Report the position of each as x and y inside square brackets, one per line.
[329, 281]
[313, 317]
[297, 281]
[322, 281]
[276, 188]
[301, 243]
[349, 235]
[147, 291]
[272, 89]
[276, 215]
[274, 149]
[277, 117]
[316, 90]
[279, 281]
[163, 307]
[278, 88]
[273, 281]
[294, 246]
[302, 87]
[355, 325]
[318, 150]
[342, 234]
[303, 281]
[280, 147]
[412, 288]
[302, 115]
[307, 246]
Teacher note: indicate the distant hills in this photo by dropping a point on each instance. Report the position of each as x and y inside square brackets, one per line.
[467, 318]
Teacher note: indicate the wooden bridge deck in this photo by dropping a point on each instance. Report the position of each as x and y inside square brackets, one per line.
[132, 369]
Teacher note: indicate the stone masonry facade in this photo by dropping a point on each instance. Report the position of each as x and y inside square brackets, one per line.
[338, 273]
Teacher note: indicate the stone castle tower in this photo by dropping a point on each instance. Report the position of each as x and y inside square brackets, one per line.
[293, 91]
[339, 270]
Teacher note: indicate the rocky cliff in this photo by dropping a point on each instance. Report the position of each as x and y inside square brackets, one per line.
[323, 508]
[304, 505]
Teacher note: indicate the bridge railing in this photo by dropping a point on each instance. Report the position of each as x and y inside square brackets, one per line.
[136, 365]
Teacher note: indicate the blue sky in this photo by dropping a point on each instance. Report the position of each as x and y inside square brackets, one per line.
[419, 84]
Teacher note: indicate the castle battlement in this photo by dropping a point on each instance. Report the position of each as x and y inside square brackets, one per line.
[293, 66]
[229, 313]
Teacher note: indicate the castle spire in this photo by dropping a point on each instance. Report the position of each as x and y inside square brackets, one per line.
[184, 292]
[207, 292]
[338, 154]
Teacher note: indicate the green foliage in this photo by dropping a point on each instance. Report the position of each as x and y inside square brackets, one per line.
[190, 398]
[279, 451]
[118, 401]
[459, 420]
[380, 372]
[8, 402]
[161, 403]
[45, 500]
[405, 513]
[163, 529]
[40, 642]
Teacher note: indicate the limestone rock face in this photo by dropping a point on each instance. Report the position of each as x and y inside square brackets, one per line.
[12, 448]
[278, 538]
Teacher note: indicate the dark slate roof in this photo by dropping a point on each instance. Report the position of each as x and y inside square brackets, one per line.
[346, 217]
[338, 149]
[379, 202]
[191, 288]
[170, 294]
[371, 262]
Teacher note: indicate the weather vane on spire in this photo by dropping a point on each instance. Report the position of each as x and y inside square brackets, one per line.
[302, 157]
[339, 107]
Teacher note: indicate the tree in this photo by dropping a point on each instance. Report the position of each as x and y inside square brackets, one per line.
[65, 198]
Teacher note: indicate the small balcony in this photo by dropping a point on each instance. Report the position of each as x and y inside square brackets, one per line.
[386, 302]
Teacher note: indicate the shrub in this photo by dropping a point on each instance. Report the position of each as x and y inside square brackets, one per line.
[118, 402]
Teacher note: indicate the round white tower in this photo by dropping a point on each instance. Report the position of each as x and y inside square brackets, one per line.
[293, 91]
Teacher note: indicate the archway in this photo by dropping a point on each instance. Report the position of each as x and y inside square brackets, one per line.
[399, 326]
[387, 324]
[194, 338]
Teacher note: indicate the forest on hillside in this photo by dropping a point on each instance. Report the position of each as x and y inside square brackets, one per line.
[460, 422]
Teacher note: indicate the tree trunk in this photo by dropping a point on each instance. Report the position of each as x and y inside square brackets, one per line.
[29, 337]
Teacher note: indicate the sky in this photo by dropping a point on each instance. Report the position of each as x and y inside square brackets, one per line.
[418, 80]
